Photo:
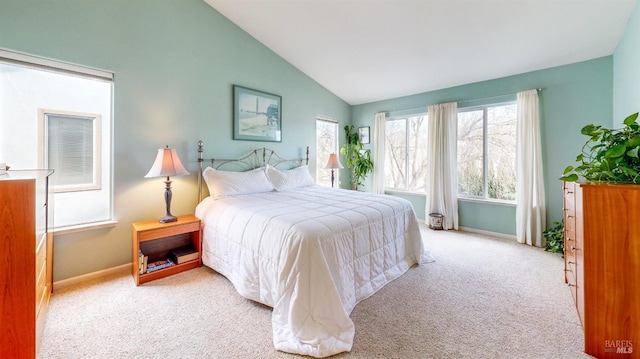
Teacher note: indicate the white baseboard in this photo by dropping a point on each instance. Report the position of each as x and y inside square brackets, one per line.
[487, 233]
[89, 276]
[477, 231]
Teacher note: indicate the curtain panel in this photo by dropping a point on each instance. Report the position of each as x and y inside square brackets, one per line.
[442, 177]
[530, 208]
[378, 152]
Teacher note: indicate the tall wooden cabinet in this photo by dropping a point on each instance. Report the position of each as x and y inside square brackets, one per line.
[25, 260]
[602, 265]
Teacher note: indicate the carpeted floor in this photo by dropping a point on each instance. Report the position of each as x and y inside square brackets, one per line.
[482, 298]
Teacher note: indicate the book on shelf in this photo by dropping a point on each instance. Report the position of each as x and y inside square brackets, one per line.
[157, 265]
[184, 254]
[142, 262]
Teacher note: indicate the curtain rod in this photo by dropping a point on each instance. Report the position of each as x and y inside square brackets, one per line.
[496, 96]
[539, 89]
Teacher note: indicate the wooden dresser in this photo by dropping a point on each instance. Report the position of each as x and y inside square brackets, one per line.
[26, 261]
[602, 265]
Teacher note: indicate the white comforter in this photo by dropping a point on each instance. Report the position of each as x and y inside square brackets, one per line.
[312, 254]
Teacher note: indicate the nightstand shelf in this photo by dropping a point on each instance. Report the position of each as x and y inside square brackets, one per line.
[157, 239]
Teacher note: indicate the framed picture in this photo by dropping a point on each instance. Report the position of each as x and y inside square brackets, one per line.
[363, 133]
[257, 115]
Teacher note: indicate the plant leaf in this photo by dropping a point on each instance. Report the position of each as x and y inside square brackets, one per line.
[629, 171]
[588, 130]
[570, 178]
[615, 151]
[567, 170]
[633, 152]
[634, 141]
[631, 119]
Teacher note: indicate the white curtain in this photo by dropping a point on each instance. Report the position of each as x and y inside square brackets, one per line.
[379, 146]
[442, 178]
[530, 208]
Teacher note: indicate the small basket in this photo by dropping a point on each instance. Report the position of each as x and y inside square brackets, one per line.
[435, 221]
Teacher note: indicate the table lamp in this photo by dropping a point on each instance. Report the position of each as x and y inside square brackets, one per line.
[167, 164]
[333, 163]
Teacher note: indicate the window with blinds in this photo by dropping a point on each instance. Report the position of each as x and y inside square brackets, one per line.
[71, 147]
[58, 116]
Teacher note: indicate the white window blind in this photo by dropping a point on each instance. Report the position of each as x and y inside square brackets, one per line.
[72, 150]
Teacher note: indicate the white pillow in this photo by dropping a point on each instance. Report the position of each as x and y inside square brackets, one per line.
[283, 180]
[227, 183]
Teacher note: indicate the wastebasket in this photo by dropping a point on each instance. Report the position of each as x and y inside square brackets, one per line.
[435, 221]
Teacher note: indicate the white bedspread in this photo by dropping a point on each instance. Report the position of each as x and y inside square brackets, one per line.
[312, 254]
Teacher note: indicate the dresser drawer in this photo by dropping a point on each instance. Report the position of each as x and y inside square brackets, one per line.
[571, 271]
[41, 270]
[41, 286]
[41, 221]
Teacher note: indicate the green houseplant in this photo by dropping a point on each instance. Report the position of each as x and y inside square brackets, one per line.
[609, 155]
[555, 238]
[358, 160]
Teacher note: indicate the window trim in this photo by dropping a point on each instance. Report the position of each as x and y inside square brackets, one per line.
[42, 63]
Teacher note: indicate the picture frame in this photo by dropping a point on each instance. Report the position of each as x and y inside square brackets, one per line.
[363, 134]
[257, 115]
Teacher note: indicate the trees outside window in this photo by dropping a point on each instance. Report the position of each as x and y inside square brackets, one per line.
[326, 144]
[406, 153]
[487, 152]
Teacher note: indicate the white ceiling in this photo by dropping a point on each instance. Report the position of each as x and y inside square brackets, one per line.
[370, 50]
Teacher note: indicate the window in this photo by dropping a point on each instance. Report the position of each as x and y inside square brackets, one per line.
[72, 146]
[405, 165]
[326, 144]
[58, 116]
[487, 152]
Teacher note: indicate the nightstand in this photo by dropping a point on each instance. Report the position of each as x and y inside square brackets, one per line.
[156, 241]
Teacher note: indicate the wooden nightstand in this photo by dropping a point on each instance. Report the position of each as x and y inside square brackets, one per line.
[156, 240]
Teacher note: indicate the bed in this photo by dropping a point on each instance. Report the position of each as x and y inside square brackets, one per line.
[310, 252]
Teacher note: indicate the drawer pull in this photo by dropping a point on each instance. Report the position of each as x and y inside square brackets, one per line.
[569, 216]
[569, 192]
[572, 285]
[573, 248]
[569, 239]
[570, 262]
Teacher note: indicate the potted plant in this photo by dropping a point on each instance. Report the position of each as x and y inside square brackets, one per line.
[609, 155]
[358, 160]
[555, 238]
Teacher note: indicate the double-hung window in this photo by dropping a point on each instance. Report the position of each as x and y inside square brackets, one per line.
[487, 152]
[405, 167]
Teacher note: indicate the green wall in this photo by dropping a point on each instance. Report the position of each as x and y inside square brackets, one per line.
[572, 96]
[175, 62]
[626, 71]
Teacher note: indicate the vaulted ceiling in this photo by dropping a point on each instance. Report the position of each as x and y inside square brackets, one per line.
[370, 50]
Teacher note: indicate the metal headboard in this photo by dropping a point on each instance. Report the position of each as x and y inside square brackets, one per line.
[248, 162]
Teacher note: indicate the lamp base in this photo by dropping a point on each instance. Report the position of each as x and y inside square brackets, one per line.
[168, 218]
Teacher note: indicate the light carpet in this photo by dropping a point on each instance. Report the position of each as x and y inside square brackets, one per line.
[483, 297]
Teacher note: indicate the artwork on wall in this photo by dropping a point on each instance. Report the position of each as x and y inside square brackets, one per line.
[257, 115]
[363, 133]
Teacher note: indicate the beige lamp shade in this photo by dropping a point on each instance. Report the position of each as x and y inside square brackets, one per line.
[333, 162]
[167, 164]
